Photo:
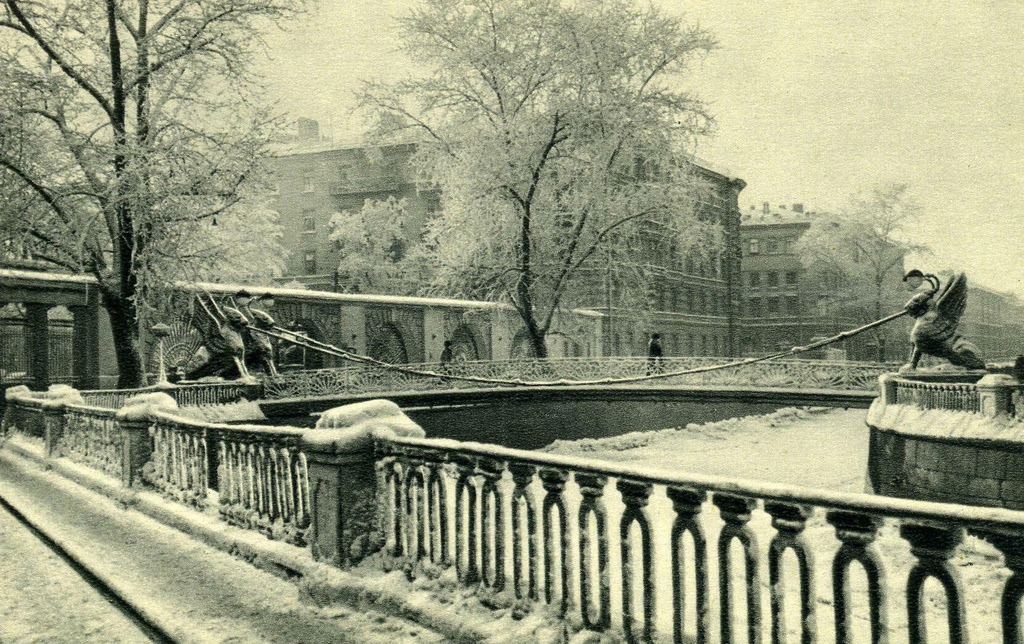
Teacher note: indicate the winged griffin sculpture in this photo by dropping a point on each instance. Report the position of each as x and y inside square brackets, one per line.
[937, 310]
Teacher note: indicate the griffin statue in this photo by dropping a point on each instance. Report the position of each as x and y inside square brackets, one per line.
[937, 310]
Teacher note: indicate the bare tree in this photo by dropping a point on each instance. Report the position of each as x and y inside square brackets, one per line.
[858, 255]
[557, 134]
[129, 126]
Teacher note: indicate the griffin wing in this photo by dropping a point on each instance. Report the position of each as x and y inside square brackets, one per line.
[952, 299]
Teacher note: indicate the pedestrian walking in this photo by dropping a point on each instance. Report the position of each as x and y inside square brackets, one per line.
[446, 359]
[655, 355]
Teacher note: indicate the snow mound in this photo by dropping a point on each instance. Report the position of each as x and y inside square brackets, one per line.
[718, 430]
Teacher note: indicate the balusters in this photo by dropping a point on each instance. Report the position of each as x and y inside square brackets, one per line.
[1011, 544]
[687, 505]
[790, 520]
[635, 496]
[393, 479]
[522, 476]
[857, 533]
[554, 487]
[933, 547]
[492, 541]
[592, 492]
[437, 501]
[735, 512]
[416, 510]
[466, 523]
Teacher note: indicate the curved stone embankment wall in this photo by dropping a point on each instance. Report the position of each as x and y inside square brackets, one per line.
[529, 418]
[939, 455]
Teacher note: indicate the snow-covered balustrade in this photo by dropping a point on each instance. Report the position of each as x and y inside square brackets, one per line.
[665, 555]
[259, 472]
[24, 414]
[802, 374]
[957, 396]
[91, 436]
[977, 393]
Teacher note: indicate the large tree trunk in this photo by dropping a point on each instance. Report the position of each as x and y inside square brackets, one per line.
[540, 347]
[125, 327]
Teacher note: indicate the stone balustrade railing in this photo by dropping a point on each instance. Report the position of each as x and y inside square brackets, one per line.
[259, 472]
[992, 394]
[90, 436]
[605, 543]
[805, 374]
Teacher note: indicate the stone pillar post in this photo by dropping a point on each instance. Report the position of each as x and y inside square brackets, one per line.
[136, 448]
[342, 496]
[53, 428]
[887, 388]
[37, 345]
[344, 487]
[995, 391]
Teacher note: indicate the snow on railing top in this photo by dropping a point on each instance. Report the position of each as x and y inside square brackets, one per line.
[964, 515]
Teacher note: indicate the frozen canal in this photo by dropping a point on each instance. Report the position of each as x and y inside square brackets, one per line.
[824, 448]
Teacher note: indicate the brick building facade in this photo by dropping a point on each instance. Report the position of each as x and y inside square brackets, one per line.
[694, 305]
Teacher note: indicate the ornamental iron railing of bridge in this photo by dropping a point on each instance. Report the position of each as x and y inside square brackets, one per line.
[648, 553]
[799, 374]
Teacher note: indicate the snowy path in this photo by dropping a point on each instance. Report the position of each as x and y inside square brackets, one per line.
[45, 601]
[197, 593]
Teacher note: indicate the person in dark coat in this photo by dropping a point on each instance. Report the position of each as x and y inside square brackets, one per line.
[447, 354]
[655, 355]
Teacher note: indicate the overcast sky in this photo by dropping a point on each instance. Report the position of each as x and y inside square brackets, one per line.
[814, 101]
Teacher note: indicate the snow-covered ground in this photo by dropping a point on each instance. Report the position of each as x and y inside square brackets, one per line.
[43, 600]
[822, 448]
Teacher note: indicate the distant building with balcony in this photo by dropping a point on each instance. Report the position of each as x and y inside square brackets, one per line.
[313, 181]
[783, 306]
[693, 305]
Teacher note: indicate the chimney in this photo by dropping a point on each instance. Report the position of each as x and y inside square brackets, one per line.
[765, 208]
[798, 207]
[782, 207]
[307, 130]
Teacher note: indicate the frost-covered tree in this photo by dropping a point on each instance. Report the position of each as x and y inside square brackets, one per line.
[376, 254]
[557, 133]
[857, 255]
[126, 128]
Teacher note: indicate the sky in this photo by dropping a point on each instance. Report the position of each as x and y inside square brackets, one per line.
[814, 101]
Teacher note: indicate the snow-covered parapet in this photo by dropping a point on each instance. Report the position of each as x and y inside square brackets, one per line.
[138, 407]
[345, 491]
[351, 428]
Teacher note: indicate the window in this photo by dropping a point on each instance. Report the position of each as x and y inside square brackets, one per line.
[773, 279]
[773, 306]
[309, 224]
[792, 305]
[754, 246]
[770, 246]
[790, 278]
[754, 307]
[754, 279]
[309, 260]
[307, 183]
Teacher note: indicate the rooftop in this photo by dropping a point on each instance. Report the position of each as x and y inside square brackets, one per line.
[783, 214]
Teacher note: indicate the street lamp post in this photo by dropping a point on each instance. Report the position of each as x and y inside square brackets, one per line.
[161, 331]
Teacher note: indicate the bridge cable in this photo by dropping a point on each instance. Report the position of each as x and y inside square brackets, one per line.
[291, 337]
